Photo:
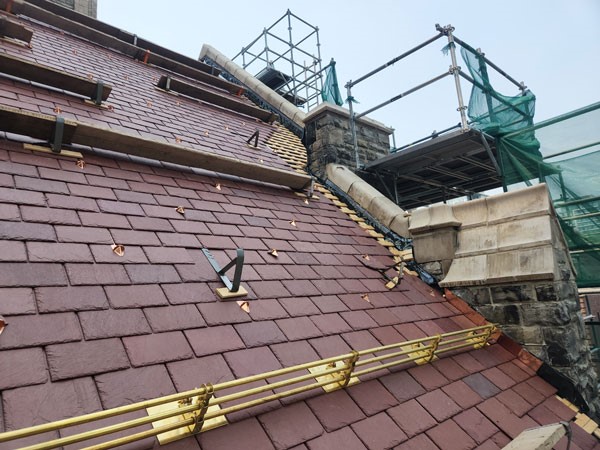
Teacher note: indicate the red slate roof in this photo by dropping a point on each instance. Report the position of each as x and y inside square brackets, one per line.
[89, 330]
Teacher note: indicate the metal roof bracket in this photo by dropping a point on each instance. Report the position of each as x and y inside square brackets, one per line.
[57, 136]
[231, 289]
[99, 91]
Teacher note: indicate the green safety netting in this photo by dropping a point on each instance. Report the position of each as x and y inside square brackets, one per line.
[563, 152]
[331, 91]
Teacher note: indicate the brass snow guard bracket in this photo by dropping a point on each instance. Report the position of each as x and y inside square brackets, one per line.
[183, 414]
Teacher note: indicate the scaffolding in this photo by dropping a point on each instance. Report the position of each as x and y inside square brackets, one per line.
[274, 58]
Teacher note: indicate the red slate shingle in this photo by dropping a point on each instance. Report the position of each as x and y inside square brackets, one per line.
[92, 219]
[23, 408]
[135, 296]
[256, 334]
[335, 410]
[343, 438]
[504, 419]
[30, 331]
[70, 298]
[16, 301]
[449, 436]
[172, 318]
[252, 361]
[477, 426]
[298, 328]
[462, 394]
[412, 418]
[191, 373]
[113, 323]
[22, 368]
[420, 442]
[152, 273]
[105, 254]
[370, 432]
[371, 397]
[23, 231]
[220, 313]
[133, 385]
[402, 386]
[267, 310]
[439, 405]
[291, 425]
[480, 384]
[331, 324]
[79, 359]
[96, 274]
[236, 436]
[157, 348]
[12, 251]
[181, 293]
[428, 376]
[216, 339]
[299, 306]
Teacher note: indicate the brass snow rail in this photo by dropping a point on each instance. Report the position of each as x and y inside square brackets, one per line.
[184, 414]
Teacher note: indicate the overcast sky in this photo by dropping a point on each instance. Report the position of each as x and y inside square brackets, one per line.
[551, 45]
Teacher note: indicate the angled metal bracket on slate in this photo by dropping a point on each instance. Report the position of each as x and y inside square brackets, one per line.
[57, 137]
[99, 92]
[232, 288]
[255, 137]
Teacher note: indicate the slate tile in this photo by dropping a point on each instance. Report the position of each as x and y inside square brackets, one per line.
[181, 293]
[9, 195]
[29, 331]
[133, 385]
[470, 364]
[476, 425]
[25, 231]
[207, 341]
[22, 368]
[291, 425]
[428, 376]
[152, 273]
[35, 184]
[329, 303]
[157, 348]
[58, 252]
[541, 386]
[91, 191]
[70, 298]
[220, 313]
[134, 237]
[179, 240]
[62, 175]
[420, 442]
[372, 397]
[12, 251]
[16, 301]
[71, 202]
[330, 346]
[23, 408]
[96, 274]
[528, 393]
[327, 287]
[448, 435]
[331, 324]
[450, 368]
[462, 394]
[412, 418]
[173, 318]
[557, 407]
[301, 288]
[358, 320]
[299, 306]
[74, 360]
[113, 323]
[480, 384]
[343, 438]
[11, 212]
[136, 296]
[298, 328]
[514, 371]
[251, 361]
[256, 334]
[499, 378]
[236, 436]
[105, 254]
[504, 419]
[93, 219]
[439, 405]
[369, 431]
[335, 410]
[294, 353]
[402, 386]
[267, 310]
[85, 235]
[168, 255]
[269, 289]
[191, 373]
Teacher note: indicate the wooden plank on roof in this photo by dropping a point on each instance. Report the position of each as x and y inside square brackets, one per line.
[28, 70]
[41, 126]
[541, 438]
[233, 103]
[15, 30]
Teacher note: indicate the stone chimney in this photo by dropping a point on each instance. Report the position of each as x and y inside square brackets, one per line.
[328, 138]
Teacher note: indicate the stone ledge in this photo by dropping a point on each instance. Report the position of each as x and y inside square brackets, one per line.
[345, 113]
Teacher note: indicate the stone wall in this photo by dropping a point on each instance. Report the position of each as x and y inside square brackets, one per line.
[328, 138]
[506, 256]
